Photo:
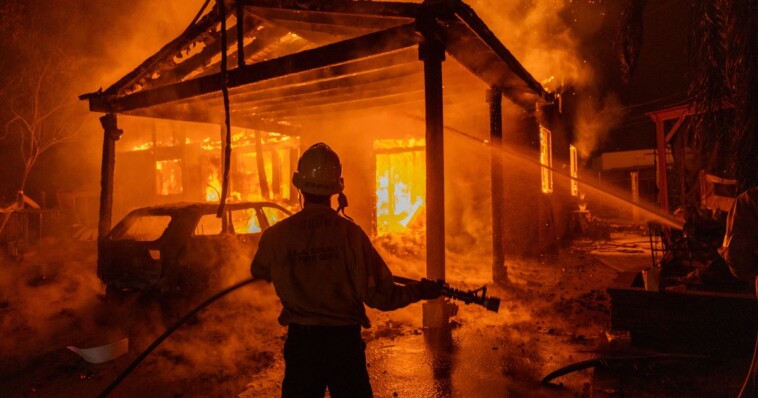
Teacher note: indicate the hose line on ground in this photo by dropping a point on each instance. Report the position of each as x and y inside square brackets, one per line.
[168, 333]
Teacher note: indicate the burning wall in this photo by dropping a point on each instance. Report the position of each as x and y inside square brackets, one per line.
[166, 161]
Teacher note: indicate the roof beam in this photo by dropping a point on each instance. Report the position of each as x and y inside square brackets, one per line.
[305, 29]
[354, 89]
[332, 54]
[345, 103]
[267, 52]
[333, 19]
[346, 106]
[186, 114]
[256, 94]
[167, 52]
[182, 69]
[336, 9]
[341, 94]
[491, 51]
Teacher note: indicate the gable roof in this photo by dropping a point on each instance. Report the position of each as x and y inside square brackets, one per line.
[301, 58]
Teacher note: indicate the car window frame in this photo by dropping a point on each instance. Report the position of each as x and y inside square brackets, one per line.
[123, 225]
[263, 213]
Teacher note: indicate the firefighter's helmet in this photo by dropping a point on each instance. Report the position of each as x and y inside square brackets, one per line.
[319, 171]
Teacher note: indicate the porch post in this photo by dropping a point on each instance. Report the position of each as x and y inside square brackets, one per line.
[495, 99]
[432, 53]
[663, 190]
[111, 134]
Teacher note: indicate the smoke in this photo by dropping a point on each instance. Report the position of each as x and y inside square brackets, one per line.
[594, 119]
[547, 38]
[537, 33]
[54, 299]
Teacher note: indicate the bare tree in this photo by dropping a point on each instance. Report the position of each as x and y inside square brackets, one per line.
[35, 88]
[38, 109]
[39, 117]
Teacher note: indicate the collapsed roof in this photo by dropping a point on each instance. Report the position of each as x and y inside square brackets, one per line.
[290, 60]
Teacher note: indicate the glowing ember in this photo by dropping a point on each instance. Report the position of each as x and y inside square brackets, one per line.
[400, 184]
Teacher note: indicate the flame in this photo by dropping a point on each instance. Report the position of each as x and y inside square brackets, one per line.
[199, 148]
[245, 221]
[142, 147]
[213, 187]
[400, 184]
[168, 177]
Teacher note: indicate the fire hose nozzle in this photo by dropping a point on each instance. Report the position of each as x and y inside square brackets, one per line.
[478, 296]
[492, 304]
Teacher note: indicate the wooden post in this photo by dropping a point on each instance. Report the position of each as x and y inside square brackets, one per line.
[634, 177]
[495, 99]
[261, 163]
[663, 190]
[111, 134]
[432, 53]
[240, 16]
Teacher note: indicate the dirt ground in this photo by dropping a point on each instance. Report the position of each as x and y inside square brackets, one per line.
[554, 312]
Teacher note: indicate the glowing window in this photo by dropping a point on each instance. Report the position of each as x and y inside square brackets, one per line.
[400, 184]
[546, 159]
[574, 170]
[168, 177]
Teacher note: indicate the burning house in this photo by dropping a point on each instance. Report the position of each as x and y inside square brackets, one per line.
[394, 87]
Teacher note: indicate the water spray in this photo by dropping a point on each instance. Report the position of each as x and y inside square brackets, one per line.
[666, 218]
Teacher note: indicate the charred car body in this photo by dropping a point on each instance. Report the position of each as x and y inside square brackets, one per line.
[183, 249]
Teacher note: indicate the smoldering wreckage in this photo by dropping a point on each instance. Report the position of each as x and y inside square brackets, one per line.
[218, 118]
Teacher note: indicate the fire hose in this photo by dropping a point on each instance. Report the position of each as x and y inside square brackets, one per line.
[168, 333]
[478, 296]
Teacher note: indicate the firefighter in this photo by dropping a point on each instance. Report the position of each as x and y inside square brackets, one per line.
[324, 269]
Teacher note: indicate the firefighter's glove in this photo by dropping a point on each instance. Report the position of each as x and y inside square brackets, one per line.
[429, 290]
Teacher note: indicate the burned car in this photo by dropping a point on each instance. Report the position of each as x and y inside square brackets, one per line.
[183, 249]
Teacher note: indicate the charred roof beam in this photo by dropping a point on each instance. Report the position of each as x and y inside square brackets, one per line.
[386, 76]
[393, 63]
[518, 85]
[332, 54]
[343, 106]
[202, 59]
[330, 10]
[335, 95]
[165, 54]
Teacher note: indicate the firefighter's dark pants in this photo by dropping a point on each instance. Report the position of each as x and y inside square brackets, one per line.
[321, 357]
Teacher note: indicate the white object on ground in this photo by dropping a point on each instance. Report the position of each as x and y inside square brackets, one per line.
[103, 353]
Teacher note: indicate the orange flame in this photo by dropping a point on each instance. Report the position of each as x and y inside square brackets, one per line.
[400, 184]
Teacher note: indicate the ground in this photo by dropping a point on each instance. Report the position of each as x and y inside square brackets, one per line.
[554, 312]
